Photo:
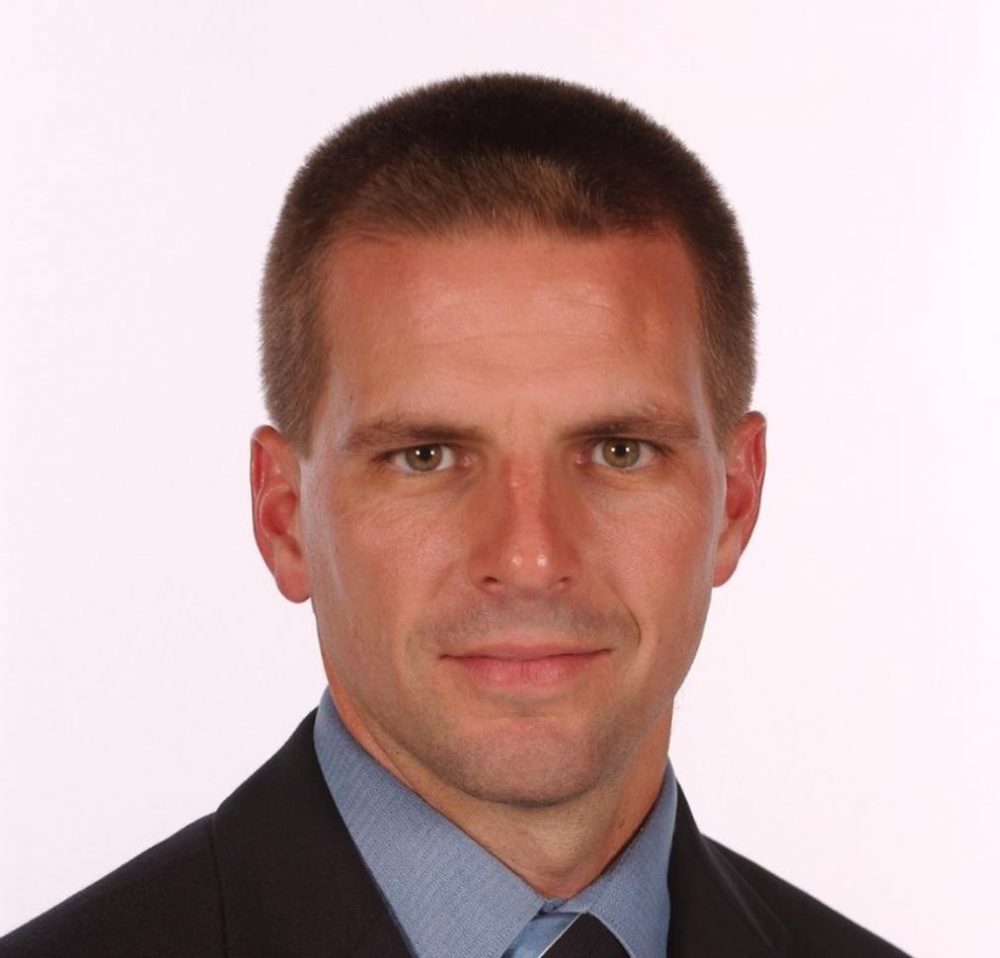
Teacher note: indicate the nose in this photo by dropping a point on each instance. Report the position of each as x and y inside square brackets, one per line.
[525, 535]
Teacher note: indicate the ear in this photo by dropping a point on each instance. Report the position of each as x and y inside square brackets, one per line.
[746, 459]
[274, 486]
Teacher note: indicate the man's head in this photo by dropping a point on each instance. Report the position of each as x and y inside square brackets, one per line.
[520, 471]
[503, 154]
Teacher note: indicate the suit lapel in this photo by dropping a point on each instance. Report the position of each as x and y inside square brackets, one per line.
[292, 883]
[714, 913]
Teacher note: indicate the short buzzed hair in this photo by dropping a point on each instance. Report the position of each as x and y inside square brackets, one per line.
[501, 153]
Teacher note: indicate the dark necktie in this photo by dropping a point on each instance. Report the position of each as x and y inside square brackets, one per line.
[586, 937]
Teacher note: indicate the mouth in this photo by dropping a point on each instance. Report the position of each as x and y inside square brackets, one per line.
[515, 666]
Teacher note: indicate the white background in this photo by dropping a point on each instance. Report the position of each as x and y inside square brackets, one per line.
[840, 725]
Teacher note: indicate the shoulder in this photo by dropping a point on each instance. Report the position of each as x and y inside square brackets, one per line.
[723, 904]
[165, 902]
[814, 929]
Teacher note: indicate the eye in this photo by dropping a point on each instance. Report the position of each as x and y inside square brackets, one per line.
[432, 457]
[621, 453]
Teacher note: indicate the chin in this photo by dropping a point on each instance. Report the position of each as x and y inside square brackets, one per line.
[535, 767]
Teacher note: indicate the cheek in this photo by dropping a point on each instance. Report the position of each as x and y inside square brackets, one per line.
[404, 543]
[660, 561]
[380, 559]
[661, 543]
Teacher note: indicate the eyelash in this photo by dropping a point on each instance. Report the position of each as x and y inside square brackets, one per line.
[647, 451]
[399, 454]
[396, 458]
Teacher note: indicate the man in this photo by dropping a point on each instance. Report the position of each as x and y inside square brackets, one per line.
[508, 352]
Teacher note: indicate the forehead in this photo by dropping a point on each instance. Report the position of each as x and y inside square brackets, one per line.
[552, 314]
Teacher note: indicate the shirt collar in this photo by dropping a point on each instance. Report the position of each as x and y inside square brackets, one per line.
[450, 897]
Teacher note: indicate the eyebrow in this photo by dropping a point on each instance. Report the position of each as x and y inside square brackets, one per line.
[397, 431]
[666, 427]
[394, 432]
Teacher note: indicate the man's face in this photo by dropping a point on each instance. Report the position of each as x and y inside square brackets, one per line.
[514, 509]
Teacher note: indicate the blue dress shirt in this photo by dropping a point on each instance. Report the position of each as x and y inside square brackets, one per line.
[449, 896]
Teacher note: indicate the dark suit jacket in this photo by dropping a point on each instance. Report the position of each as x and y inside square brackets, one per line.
[274, 874]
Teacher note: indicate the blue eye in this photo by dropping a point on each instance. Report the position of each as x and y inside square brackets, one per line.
[432, 457]
[621, 452]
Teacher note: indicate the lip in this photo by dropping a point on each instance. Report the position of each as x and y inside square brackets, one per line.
[540, 666]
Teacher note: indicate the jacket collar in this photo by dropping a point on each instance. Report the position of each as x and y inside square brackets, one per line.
[714, 911]
[292, 883]
[294, 886]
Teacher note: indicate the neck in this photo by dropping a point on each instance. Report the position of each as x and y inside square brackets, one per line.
[559, 848]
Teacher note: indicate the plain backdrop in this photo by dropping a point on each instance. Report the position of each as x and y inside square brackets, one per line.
[840, 724]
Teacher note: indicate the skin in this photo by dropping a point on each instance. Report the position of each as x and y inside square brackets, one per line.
[506, 632]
